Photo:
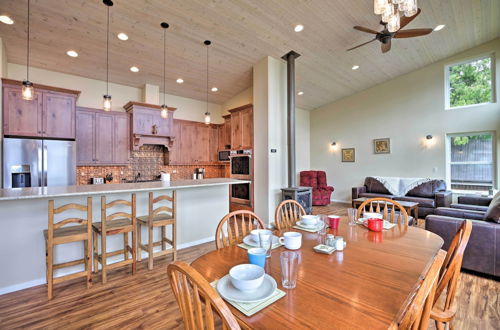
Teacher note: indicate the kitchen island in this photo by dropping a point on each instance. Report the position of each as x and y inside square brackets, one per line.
[24, 215]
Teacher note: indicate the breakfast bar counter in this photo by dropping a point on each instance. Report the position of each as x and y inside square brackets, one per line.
[24, 215]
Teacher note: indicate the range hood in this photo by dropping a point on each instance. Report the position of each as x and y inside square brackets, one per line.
[148, 127]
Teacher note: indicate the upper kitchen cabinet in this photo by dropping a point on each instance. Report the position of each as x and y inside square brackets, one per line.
[225, 133]
[242, 127]
[51, 113]
[102, 138]
[148, 127]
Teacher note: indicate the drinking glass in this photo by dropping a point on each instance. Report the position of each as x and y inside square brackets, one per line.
[266, 242]
[323, 223]
[289, 269]
[352, 214]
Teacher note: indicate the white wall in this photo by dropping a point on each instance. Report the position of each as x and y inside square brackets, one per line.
[243, 98]
[92, 91]
[405, 110]
[302, 141]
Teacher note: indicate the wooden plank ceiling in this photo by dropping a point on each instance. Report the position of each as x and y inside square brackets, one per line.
[243, 32]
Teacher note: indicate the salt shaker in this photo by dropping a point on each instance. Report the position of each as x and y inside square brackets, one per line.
[339, 243]
[330, 240]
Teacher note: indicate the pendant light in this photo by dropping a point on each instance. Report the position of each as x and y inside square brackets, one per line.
[106, 105]
[207, 113]
[27, 91]
[164, 107]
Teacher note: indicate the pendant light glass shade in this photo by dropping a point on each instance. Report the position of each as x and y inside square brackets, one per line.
[207, 118]
[207, 113]
[393, 24]
[388, 13]
[106, 102]
[27, 91]
[379, 6]
[164, 111]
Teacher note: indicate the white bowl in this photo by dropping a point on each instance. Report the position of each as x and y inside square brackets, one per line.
[255, 234]
[309, 219]
[372, 215]
[246, 277]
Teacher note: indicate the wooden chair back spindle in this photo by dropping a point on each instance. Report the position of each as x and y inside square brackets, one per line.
[391, 210]
[235, 226]
[418, 313]
[288, 213]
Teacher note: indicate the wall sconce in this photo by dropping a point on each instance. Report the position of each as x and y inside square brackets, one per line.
[429, 140]
[334, 146]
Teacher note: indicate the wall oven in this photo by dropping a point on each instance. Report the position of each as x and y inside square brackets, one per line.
[241, 193]
[241, 164]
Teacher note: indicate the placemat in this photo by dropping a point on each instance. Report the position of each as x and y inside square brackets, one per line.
[246, 246]
[250, 309]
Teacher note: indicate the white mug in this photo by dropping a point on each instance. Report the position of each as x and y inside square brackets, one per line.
[255, 234]
[292, 240]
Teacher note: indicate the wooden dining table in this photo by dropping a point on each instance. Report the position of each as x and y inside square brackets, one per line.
[369, 284]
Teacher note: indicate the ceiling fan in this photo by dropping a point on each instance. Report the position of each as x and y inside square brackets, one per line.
[385, 36]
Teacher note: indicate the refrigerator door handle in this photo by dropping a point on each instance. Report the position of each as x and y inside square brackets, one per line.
[40, 166]
[45, 166]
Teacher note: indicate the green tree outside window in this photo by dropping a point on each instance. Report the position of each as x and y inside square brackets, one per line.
[470, 83]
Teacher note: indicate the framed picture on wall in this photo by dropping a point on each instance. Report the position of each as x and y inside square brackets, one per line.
[348, 155]
[382, 146]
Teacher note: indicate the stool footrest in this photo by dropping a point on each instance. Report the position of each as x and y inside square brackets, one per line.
[119, 264]
[69, 277]
[69, 264]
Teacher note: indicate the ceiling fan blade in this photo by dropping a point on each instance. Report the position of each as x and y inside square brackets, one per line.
[410, 33]
[386, 47]
[364, 43]
[404, 21]
[363, 29]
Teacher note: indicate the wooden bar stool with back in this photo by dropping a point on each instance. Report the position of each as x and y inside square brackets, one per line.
[116, 223]
[56, 234]
[161, 216]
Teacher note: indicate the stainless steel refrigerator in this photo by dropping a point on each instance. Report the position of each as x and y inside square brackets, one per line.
[38, 163]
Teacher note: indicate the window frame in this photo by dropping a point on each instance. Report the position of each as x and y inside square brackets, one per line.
[448, 158]
[492, 58]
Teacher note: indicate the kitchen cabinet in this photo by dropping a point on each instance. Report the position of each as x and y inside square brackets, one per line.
[213, 143]
[51, 113]
[225, 133]
[242, 127]
[102, 138]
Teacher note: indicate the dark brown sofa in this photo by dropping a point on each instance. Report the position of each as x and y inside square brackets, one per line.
[483, 251]
[429, 195]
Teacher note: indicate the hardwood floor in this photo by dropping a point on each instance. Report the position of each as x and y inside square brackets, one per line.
[146, 301]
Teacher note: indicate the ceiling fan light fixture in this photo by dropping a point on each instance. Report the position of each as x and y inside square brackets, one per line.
[379, 6]
[388, 13]
[393, 25]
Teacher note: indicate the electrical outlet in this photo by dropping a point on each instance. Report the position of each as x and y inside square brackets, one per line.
[434, 169]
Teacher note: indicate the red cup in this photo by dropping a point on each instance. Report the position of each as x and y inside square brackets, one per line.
[334, 221]
[375, 224]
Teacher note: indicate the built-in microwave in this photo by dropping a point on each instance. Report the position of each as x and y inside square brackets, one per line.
[224, 155]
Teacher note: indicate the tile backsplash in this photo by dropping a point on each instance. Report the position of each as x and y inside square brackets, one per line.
[148, 161]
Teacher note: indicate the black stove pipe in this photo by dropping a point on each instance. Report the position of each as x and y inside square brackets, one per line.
[290, 64]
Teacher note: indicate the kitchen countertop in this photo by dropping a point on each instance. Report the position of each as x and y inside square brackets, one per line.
[78, 190]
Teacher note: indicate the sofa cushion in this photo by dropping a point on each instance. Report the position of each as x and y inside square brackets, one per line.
[321, 179]
[493, 212]
[373, 195]
[425, 202]
[309, 179]
[469, 207]
[427, 189]
[374, 186]
[459, 213]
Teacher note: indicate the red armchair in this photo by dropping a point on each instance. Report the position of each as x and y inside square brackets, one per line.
[321, 190]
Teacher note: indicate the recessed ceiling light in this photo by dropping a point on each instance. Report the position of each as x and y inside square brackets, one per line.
[355, 67]
[6, 20]
[122, 36]
[72, 53]
[298, 28]
[439, 27]
[300, 93]
[214, 89]
[134, 69]
[180, 80]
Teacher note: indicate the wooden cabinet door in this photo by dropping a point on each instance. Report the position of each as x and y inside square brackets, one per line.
[174, 153]
[236, 142]
[58, 116]
[213, 143]
[104, 138]
[85, 133]
[143, 122]
[121, 138]
[188, 150]
[202, 143]
[246, 128]
[21, 117]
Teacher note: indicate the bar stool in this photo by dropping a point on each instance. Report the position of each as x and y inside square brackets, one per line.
[162, 216]
[113, 224]
[56, 234]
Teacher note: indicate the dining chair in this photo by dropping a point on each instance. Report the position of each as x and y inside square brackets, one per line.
[288, 213]
[391, 210]
[235, 226]
[55, 234]
[417, 314]
[159, 216]
[443, 312]
[197, 299]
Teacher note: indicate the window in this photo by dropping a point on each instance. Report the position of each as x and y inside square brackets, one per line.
[471, 164]
[470, 83]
